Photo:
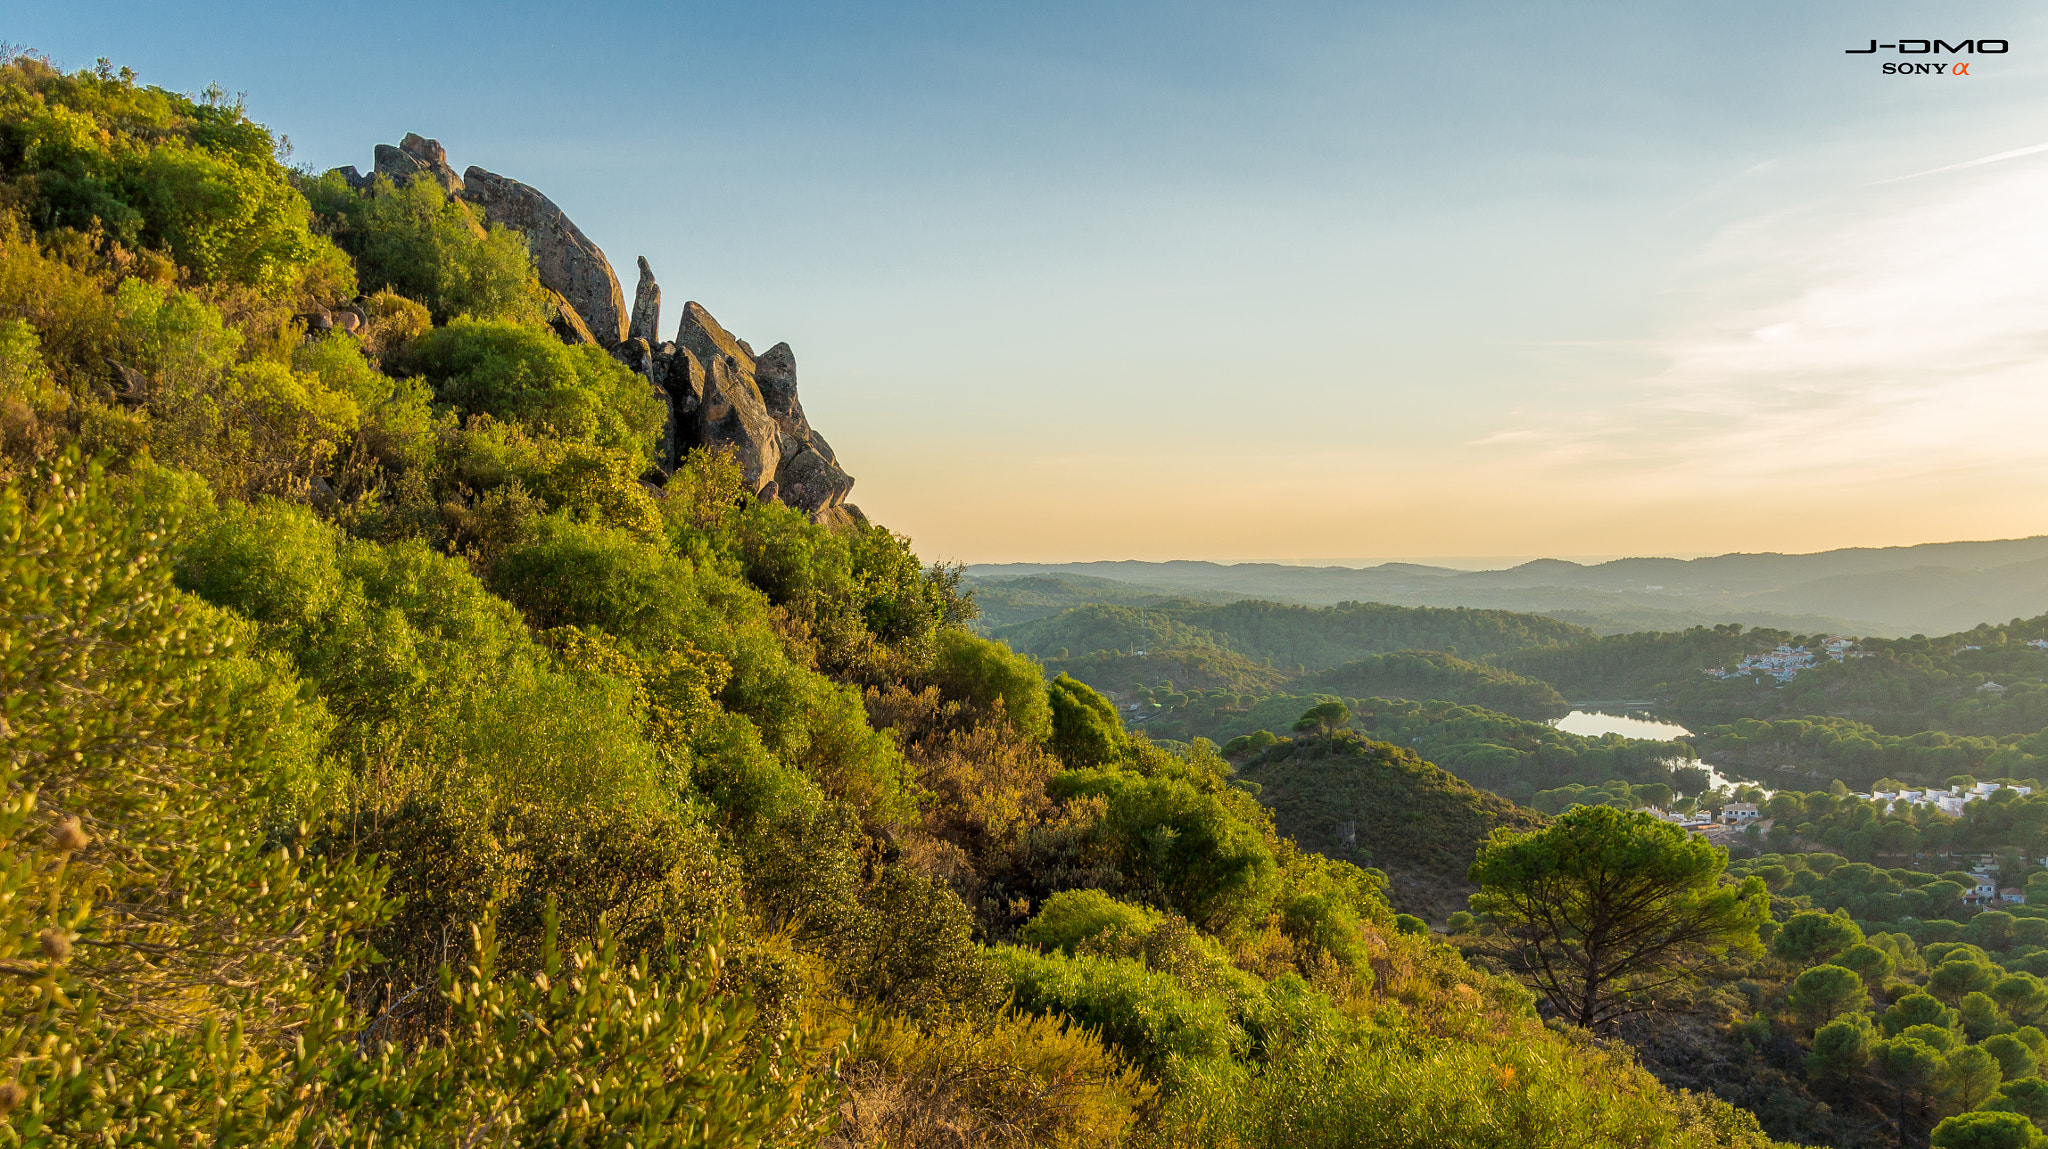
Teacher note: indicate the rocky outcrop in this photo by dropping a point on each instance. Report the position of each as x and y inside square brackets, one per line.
[586, 305]
[646, 321]
[809, 475]
[719, 394]
[416, 156]
[563, 257]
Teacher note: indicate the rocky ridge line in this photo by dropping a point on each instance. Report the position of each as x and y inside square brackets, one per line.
[718, 393]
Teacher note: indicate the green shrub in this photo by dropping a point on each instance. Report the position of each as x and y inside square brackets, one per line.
[1071, 917]
[1325, 1085]
[183, 940]
[982, 672]
[416, 241]
[1202, 853]
[589, 1049]
[1986, 1131]
[1146, 1014]
[149, 168]
[1085, 728]
[524, 374]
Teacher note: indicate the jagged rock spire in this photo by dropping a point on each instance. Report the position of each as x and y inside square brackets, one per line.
[646, 321]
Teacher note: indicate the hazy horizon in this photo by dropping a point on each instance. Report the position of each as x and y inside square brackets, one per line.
[1466, 562]
[1255, 284]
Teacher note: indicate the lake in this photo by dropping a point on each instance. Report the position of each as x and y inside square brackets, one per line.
[1594, 723]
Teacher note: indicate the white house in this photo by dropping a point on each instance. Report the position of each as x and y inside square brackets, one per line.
[2015, 896]
[1739, 813]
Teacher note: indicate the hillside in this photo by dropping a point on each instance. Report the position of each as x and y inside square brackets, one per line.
[1380, 805]
[449, 702]
[1287, 636]
[1433, 676]
[1006, 601]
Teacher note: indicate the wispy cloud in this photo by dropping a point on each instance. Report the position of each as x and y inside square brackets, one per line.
[1889, 339]
[1980, 161]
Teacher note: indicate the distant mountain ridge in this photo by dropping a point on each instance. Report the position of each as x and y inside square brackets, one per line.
[1930, 588]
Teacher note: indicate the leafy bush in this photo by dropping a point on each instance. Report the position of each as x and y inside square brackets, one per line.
[1071, 917]
[1202, 853]
[175, 929]
[1144, 1013]
[984, 673]
[417, 242]
[525, 375]
[1085, 728]
[1022, 1080]
[587, 1049]
[148, 168]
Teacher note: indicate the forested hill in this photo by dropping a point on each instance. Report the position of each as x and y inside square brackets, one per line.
[447, 702]
[1380, 805]
[1287, 636]
[1887, 591]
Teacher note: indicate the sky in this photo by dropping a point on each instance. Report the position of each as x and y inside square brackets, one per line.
[1279, 282]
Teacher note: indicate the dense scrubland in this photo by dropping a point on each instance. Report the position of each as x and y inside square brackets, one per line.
[399, 750]
[396, 754]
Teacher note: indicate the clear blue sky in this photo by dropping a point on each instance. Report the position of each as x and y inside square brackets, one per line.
[1275, 281]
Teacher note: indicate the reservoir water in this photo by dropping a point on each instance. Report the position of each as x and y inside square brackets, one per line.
[1594, 723]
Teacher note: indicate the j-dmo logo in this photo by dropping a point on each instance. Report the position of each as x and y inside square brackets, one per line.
[1933, 48]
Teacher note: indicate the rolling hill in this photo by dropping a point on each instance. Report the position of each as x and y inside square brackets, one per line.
[1931, 588]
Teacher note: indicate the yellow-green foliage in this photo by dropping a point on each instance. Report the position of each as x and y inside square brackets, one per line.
[525, 374]
[390, 753]
[586, 1049]
[157, 913]
[148, 168]
[1401, 1090]
[1018, 1079]
[417, 242]
[1071, 918]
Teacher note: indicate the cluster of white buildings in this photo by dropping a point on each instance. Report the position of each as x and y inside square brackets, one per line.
[1785, 662]
[1694, 819]
[1948, 801]
[1780, 664]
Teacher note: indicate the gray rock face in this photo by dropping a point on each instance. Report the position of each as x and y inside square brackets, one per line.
[563, 318]
[681, 378]
[646, 321]
[776, 374]
[564, 258]
[732, 415]
[415, 156]
[396, 165]
[637, 355]
[705, 339]
[750, 404]
[433, 160]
